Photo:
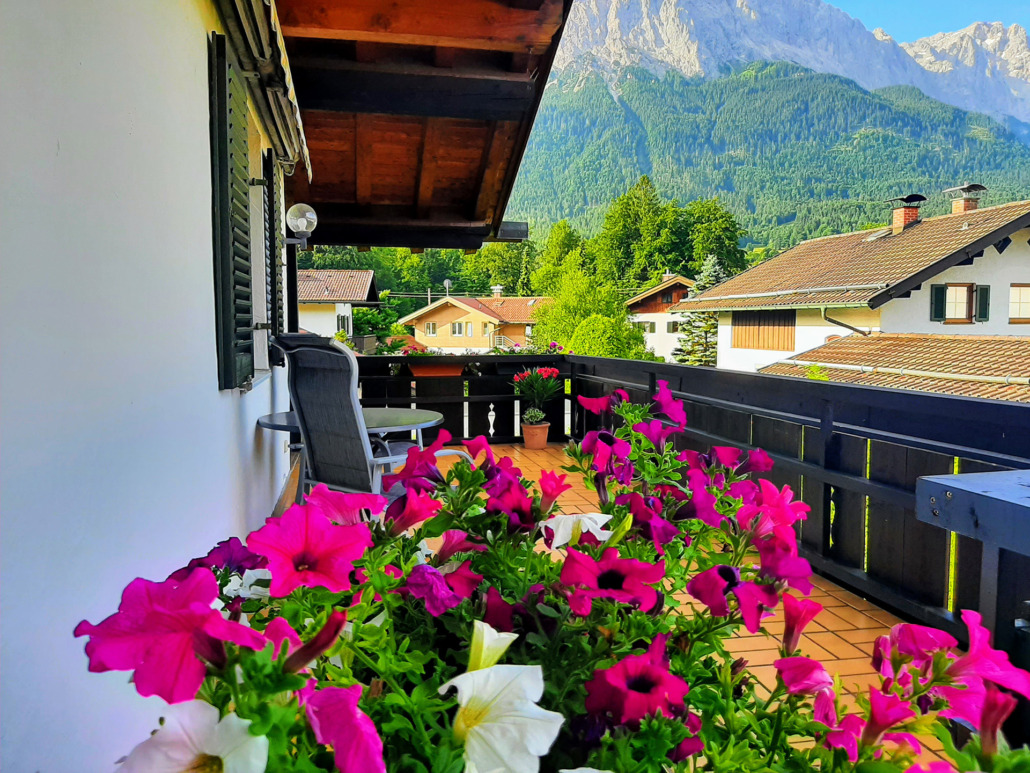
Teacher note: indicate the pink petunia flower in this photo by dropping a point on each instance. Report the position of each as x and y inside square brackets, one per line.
[420, 470]
[552, 486]
[318, 644]
[281, 633]
[230, 554]
[780, 562]
[603, 405]
[938, 766]
[757, 460]
[656, 431]
[637, 686]
[997, 708]
[701, 504]
[797, 613]
[692, 744]
[338, 722]
[845, 735]
[455, 541]
[803, 676]
[305, 549]
[480, 445]
[920, 642]
[429, 585]
[646, 512]
[711, 587]
[462, 580]
[346, 509]
[984, 662]
[160, 632]
[499, 613]
[516, 503]
[408, 511]
[622, 579]
[670, 406]
[885, 711]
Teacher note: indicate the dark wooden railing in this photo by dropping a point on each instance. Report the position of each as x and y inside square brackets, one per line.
[852, 453]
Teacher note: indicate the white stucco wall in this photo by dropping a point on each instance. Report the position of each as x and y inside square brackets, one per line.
[660, 342]
[912, 315]
[320, 318]
[119, 455]
[811, 331]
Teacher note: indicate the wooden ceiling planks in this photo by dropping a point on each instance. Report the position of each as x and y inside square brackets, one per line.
[416, 112]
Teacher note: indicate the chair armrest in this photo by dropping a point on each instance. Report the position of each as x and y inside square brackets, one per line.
[455, 452]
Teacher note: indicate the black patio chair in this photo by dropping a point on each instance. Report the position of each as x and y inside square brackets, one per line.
[337, 450]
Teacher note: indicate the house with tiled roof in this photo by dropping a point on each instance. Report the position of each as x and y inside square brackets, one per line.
[915, 286]
[326, 298]
[457, 324]
[651, 311]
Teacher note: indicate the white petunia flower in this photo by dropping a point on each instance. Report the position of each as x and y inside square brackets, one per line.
[503, 729]
[247, 587]
[488, 645]
[193, 739]
[568, 528]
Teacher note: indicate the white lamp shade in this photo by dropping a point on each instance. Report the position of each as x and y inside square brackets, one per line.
[301, 219]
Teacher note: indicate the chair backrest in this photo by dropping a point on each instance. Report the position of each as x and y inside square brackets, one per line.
[323, 379]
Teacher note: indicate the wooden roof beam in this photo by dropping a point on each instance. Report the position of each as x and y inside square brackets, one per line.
[427, 163]
[493, 168]
[482, 24]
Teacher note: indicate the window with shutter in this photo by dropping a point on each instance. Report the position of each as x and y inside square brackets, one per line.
[274, 240]
[983, 303]
[234, 302]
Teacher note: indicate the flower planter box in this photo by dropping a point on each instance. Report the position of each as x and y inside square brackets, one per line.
[430, 370]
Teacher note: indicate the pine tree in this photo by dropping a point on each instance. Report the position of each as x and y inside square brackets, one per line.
[700, 329]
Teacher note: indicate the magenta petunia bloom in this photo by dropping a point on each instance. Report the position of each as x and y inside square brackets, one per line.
[885, 711]
[552, 486]
[797, 613]
[516, 503]
[230, 554]
[711, 587]
[622, 579]
[845, 735]
[304, 548]
[756, 460]
[727, 456]
[920, 642]
[637, 686]
[480, 445]
[606, 404]
[420, 470]
[744, 490]
[670, 406]
[656, 431]
[702, 501]
[429, 585]
[803, 676]
[410, 510]
[780, 561]
[984, 662]
[455, 541]
[499, 613]
[646, 512]
[690, 745]
[160, 632]
[281, 633]
[338, 722]
[346, 509]
[997, 708]
[774, 512]
[604, 444]
[462, 580]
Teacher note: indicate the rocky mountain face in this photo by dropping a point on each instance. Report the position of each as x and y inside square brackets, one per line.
[984, 68]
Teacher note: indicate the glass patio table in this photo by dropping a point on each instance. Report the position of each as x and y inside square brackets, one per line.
[378, 421]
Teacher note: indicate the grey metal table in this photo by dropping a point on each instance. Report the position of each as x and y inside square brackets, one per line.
[378, 421]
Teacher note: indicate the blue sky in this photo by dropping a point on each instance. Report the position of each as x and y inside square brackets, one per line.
[907, 20]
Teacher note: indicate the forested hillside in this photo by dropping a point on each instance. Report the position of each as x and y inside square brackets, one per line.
[792, 153]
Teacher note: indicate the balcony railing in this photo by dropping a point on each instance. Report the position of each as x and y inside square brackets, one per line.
[852, 453]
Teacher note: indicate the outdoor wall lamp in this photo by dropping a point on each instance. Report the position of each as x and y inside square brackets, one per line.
[301, 219]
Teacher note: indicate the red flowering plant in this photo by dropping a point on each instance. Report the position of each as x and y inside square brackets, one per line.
[466, 623]
[537, 387]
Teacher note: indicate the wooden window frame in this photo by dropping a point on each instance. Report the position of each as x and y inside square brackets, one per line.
[1017, 320]
[672, 327]
[970, 304]
[426, 330]
[457, 330]
[667, 297]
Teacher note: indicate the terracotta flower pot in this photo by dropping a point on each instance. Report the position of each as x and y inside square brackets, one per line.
[436, 369]
[534, 436]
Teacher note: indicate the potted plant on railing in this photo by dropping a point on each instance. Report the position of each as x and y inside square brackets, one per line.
[428, 369]
[536, 387]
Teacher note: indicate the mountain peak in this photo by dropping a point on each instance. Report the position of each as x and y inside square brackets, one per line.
[985, 67]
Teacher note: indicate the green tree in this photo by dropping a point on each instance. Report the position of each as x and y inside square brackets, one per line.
[600, 336]
[577, 296]
[508, 264]
[699, 343]
[561, 242]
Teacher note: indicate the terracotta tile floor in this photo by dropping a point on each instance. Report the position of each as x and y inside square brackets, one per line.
[841, 636]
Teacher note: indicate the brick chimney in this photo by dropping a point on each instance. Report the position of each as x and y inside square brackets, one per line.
[966, 197]
[497, 290]
[906, 211]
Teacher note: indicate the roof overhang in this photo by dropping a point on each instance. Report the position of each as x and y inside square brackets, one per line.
[671, 282]
[417, 114]
[969, 252]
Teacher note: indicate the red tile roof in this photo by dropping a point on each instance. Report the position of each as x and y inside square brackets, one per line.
[673, 281]
[335, 286]
[515, 310]
[856, 268]
[972, 366]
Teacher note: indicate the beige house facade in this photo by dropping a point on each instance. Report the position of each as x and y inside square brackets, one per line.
[455, 325]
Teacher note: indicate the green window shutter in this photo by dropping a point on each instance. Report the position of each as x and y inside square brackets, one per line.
[230, 184]
[938, 299]
[274, 236]
[983, 303]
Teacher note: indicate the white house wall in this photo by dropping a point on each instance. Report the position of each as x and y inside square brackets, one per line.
[321, 318]
[120, 457]
[912, 315]
[811, 331]
[660, 342]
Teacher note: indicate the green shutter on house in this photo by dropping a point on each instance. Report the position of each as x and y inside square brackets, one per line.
[983, 303]
[938, 301]
[230, 183]
[274, 237]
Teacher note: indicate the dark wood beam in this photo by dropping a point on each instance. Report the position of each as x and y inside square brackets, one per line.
[443, 56]
[493, 169]
[365, 52]
[427, 91]
[482, 24]
[401, 233]
[526, 5]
